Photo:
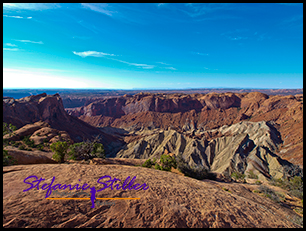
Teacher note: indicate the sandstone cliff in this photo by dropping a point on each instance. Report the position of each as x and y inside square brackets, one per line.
[49, 109]
[202, 112]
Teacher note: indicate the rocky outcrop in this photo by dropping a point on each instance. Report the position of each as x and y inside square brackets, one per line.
[202, 112]
[30, 157]
[170, 201]
[49, 109]
[40, 132]
[241, 147]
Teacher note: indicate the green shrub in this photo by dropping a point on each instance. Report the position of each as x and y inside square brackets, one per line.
[167, 162]
[258, 182]
[148, 163]
[28, 142]
[22, 147]
[269, 193]
[6, 142]
[226, 189]
[158, 167]
[8, 128]
[8, 159]
[86, 150]
[294, 185]
[238, 175]
[252, 175]
[60, 150]
[40, 147]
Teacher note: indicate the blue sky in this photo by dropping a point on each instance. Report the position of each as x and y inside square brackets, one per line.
[152, 46]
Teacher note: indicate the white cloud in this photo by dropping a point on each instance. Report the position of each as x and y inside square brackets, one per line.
[171, 68]
[105, 55]
[10, 49]
[198, 53]
[8, 16]
[236, 38]
[10, 45]
[144, 66]
[161, 4]
[199, 9]
[30, 6]
[99, 7]
[92, 53]
[29, 41]
[163, 63]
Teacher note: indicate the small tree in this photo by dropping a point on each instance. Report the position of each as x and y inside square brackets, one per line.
[8, 128]
[87, 150]
[238, 176]
[148, 163]
[167, 162]
[8, 159]
[60, 150]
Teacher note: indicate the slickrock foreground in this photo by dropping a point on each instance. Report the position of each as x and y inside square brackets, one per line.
[171, 200]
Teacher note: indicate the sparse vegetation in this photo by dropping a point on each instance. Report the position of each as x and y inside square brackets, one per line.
[8, 159]
[86, 150]
[268, 192]
[167, 162]
[148, 163]
[238, 176]
[60, 150]
[158, 167]
[22, 147]
[294, 185]
[8, 129]
[252, 175]
[28, 142]
[40, 147]
[226, 189]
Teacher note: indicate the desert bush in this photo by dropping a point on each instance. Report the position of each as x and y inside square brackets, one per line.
[148, 163]
[60, 150]
[258, 182]
[8, 159]
[86, 150]
[40, 147]
[22, 147]
[252, 175]
[270, 193]
[238, 175]
[8, 128]
[226, 189]
[167, 162]
[294, 185]
[28, 142]
[158, 167]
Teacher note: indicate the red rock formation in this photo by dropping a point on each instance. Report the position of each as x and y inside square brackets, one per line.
[200, 111]
[50, 109]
